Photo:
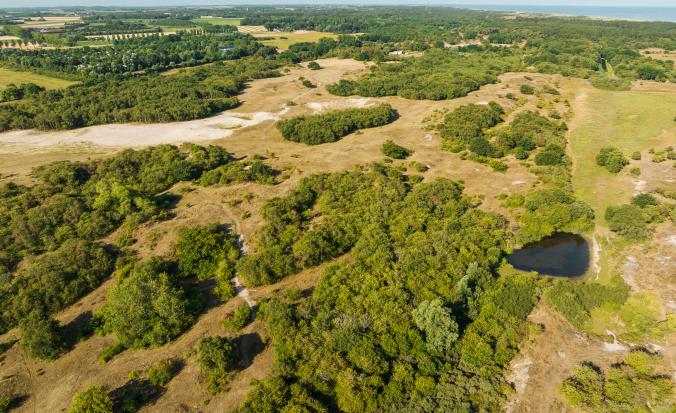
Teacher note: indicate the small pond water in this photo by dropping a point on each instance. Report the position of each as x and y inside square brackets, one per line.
[560, 255]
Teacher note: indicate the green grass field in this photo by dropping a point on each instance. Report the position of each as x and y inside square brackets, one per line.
[219, 21]
[630, 121]
[283, 40]
[11, 76]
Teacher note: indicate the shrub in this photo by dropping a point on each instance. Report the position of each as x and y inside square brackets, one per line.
[41, 336]
[612, 159]
[148, 307]
[110, 352]
[239, 318]
[635, 171]
[552, 154]
[313, 65]
[395, 151]
[217, 358]
[163, 371]
[527, 89]
[636, 156]
[201, 249]
[331, 126]
[628, 221]
[643, 200]
[93, 400]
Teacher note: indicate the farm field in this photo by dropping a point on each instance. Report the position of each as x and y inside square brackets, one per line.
[8, 76]
[219, 21]
[283, 40]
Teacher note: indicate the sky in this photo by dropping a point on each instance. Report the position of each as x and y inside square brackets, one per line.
[49, 3]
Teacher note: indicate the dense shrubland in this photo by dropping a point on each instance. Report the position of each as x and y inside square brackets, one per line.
[630, 386]
[414, 317]
[331, 126]
[57, 222]
[187, 95]
[437, 75]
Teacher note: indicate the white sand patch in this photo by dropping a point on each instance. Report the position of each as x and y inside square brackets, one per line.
[629, 269]
[340, 104]
[136, 134]
[519, 377]
[615, 345]
[671, 305]
[671, 240]
[518, 182]
[639, 185]
[483, 102]
[428, 137]
[596, 256]
[240, 289]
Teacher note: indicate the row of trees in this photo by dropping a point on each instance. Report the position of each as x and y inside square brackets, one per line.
[156, 52]
[331, 126]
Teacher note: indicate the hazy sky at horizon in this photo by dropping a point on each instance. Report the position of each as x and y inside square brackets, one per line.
[141, 3]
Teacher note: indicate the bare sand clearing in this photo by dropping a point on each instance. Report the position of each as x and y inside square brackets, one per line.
[137, 135]
[340, 104]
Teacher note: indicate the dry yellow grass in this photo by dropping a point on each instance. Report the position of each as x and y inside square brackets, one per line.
[8, 76]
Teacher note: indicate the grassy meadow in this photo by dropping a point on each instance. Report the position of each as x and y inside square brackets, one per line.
[8, 76]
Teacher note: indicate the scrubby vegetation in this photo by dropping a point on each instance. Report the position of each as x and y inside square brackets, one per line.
[239, 318]
[423, 327]
[331, 126]
[632, 221]
[94, 399]
[630, 386]
[438, 74]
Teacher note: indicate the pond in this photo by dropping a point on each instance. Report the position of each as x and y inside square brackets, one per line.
[560, 255]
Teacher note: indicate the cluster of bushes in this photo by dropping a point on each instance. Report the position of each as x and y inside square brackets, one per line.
[151, 98]
[632, 385]
[24, 90]
[331, 126]
[57, 221]
[240, 171]
[154, 301]
[632, 220]
[550, 210]
[612, 159]
[415, 317]
[466, 125]
[438, 74]
[467, 128]
[576, 300]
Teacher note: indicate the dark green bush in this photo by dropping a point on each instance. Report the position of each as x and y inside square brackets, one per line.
[612, 159]
[395, 151]
[201, 249]
[41, 336]
[628, 221]
[527, 89]
[217, 357]
[313, 65]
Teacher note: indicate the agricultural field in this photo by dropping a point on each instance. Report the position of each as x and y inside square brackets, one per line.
[282, 40]
[219, 21]
[8, 76]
